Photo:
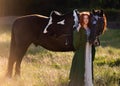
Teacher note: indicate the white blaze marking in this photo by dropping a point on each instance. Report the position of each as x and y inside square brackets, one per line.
[61, 22]
[49, 23]
[94, 22]
[96, 17]
[75, 19]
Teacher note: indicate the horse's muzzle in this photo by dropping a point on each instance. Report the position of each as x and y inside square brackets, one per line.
[96, 42]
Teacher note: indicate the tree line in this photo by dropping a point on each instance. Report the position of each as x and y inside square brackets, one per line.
[22, 7]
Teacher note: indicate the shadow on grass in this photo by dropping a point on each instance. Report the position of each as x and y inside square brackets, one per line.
[110, 63]
[4, 46]
[111, 38]
[36, 50]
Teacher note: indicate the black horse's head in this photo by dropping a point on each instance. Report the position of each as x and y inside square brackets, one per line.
[97, 25]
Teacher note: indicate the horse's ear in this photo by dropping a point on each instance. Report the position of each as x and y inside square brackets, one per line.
[93, 11]
[101, 12]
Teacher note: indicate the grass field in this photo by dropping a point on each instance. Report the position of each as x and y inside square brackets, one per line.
[41, 67]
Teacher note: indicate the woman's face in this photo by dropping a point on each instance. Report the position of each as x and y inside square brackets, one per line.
[85, 19]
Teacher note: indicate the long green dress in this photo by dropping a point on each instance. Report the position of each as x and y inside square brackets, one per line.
[77, 72]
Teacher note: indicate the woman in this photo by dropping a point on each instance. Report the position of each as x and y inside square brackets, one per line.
[81, 69]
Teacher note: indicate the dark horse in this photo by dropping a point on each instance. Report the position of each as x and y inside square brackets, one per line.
[33, 29]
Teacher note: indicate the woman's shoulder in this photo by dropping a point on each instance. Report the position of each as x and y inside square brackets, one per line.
[79, 33]
[82, 30]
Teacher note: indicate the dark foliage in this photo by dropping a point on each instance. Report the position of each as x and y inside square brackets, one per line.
[22, 7]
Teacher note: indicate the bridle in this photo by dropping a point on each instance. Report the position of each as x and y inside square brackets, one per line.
[96, 22]
[96, 25]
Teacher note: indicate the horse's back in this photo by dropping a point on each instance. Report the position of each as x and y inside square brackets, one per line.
[28, 28]
[31, 19]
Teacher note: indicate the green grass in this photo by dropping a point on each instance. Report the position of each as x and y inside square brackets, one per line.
[41, 67]
[107, 61]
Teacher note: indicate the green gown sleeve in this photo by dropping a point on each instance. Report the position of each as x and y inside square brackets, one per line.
[78, 63]
[79, 38]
